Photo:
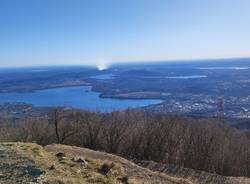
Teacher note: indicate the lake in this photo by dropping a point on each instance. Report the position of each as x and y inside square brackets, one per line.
[187, 77]
[103, 76]
[224, 68]
[79, 97]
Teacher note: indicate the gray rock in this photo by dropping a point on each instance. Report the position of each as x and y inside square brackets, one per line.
[80, 160]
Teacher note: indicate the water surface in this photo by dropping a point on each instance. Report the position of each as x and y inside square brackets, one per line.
[224, 68]
[187, 77]
[79, 97]
[103, 76]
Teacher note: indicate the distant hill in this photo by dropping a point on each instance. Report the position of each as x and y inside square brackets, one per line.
[60, 164]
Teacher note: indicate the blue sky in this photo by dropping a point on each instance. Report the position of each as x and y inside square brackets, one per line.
[52, 32]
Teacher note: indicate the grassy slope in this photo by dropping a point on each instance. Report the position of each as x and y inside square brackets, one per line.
[27, 163]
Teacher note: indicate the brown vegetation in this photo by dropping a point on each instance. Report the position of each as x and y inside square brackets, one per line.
[207, 145]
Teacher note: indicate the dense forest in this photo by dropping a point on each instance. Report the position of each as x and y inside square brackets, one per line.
[202, 144]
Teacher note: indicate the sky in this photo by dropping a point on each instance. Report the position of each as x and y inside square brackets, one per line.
[99, 32]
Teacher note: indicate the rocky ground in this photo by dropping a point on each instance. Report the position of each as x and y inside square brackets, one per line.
[22, 163]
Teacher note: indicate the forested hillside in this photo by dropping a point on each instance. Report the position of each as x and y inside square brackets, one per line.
[202, 144]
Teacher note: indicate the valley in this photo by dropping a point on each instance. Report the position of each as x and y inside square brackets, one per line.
[191, 88]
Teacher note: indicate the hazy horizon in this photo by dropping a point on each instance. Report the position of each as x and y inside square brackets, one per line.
[104, 66]
[99, 33]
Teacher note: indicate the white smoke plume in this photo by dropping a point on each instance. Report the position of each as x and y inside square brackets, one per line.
[102, 65]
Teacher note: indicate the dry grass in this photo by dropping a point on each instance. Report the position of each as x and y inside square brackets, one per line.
[101, 168]
[66, 171]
